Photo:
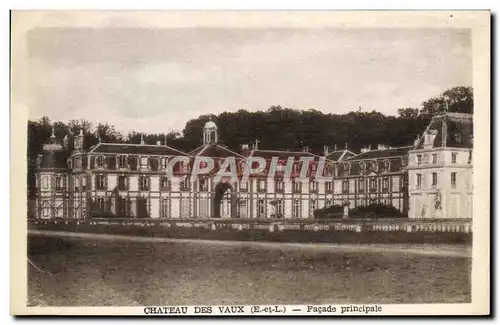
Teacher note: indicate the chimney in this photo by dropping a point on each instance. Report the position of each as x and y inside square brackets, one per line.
[363, 150]
[415, 143]
[326, 150]
[245, 148]
[305, 149]
[382, 147]
[142, 138]
[158, 143]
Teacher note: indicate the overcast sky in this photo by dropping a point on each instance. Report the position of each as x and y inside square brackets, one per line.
[155, 80]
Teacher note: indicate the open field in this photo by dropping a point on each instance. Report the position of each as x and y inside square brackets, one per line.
[96, 272]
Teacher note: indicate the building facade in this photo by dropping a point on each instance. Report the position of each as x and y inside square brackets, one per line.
[440, 169]
[130, 181]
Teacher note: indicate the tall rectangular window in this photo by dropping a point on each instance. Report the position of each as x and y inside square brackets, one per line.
[373, 185]
[100, 182]
[434, 158]
[244, 186]
[328, 187]
[419, 180]
[261, 184]
[279, 208]
[122, 182]
[260, 208]
[279, 185]
[434, 179]
[453, 179]
[296, 209]
[385, 184]
[345, 186]
[313, 187]
[122, 161]
[164, 183]
[297, 186]
[143, 183]
[361, 186]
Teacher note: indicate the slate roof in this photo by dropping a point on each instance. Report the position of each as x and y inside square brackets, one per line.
[458, 131]
[339, 155]
[377, 154]
[139, 149]
[53, 160]
[269, 154]
[214, 151]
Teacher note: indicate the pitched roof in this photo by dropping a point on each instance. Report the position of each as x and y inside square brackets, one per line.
[339, 155]
[53, 160]
[376, 154]
[139, 149]
[214, 151]
[451, 129]
[269, 154]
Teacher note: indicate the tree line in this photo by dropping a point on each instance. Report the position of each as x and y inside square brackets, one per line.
[276, 128]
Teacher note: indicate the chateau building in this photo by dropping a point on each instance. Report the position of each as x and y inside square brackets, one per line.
[130, 180]
[440, 169]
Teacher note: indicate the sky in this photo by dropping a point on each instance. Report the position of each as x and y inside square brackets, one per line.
[155, 80]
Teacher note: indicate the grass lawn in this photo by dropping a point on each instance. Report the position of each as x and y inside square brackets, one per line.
[120, 273]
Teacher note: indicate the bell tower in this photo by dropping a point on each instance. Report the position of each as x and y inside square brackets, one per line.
[210, 135]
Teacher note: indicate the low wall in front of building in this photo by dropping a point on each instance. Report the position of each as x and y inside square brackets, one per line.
[304, 230]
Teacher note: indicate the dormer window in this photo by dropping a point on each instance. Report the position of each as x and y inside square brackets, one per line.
[59, 183]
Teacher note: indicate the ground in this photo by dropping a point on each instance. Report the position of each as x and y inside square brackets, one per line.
[93, 272]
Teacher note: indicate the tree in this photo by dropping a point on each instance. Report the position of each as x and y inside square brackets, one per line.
[456, 99]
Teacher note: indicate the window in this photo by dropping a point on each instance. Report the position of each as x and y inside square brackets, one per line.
[434, 179]
[243, 186]
[453, 179]
[84, 183]
[328, 187]
[328, 203]
[124, 206]
[122, 183]
[163, 163]
[203, 184]
[144, 162]
[76, 183]
[345, 186]
[454, 158]
[419, 159]
[165, 209]
[426, 159]
[45, 182]
[185, 184]
[361, 186]
[296, 209]
[279, 208]
[297, 186]
[419, 180]
[434, 158]
[313, 205]
[313, 187]
[100, 182]
[385, 184]
[373, 185]
[59, 183]
[122, 161]
[78, 162]
[143, 183]
[260, 208]
[279, 185]
[100, 203]
[261, 185]
[100, 161]
[164, 183]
